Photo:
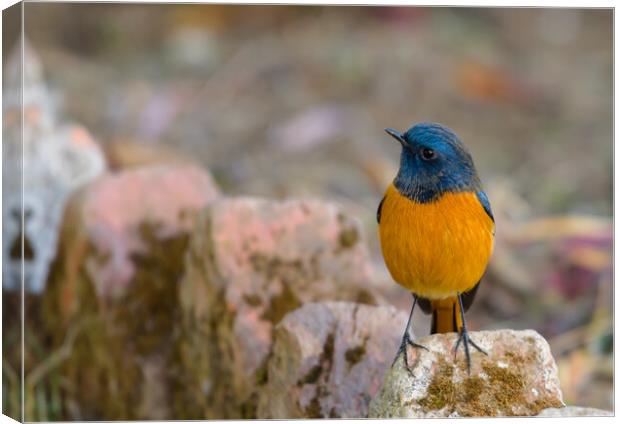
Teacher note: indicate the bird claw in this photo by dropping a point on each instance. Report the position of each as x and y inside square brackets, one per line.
[403, 349]
[464, 337]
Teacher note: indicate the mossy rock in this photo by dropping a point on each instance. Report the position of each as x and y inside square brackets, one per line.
[517, 378]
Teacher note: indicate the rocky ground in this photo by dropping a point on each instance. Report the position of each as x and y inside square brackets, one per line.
[171, 300]
[245, 159]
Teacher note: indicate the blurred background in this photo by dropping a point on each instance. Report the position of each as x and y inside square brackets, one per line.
[291, 101]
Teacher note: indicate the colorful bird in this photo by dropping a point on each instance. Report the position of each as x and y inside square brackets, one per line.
[436, 229]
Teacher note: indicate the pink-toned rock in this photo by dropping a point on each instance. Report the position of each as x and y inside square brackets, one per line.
[114, 211]
[115, 283]
[329, 359]
[250, 262]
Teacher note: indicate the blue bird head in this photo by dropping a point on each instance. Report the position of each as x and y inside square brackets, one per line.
[433, 161]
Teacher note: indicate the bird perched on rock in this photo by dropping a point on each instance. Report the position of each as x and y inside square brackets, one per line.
[436, 229]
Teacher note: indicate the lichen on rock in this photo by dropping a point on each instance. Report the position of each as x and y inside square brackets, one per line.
[121, 258]
[329, 359]
[517, 378]
[250, 262]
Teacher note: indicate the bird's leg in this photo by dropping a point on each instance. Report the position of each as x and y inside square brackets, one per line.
[464, 337]
[406, 340]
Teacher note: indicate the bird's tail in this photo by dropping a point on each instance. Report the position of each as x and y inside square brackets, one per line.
[446, 316]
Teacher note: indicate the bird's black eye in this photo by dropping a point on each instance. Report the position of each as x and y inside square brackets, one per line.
[428, 154]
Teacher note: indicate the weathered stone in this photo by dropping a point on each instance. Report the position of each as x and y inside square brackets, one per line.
[250, 262]
[115, 285]
[518, 377]
[44, 161]
[574, 411]
[329, 359]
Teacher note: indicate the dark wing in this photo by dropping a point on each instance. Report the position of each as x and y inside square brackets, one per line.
[468, 297]
[425, 305]
[484, 200]
[379, 210]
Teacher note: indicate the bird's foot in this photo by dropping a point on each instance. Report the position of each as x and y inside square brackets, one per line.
[406, 341]
[464, 337]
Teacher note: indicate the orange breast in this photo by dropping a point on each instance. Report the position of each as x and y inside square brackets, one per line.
[435, 249]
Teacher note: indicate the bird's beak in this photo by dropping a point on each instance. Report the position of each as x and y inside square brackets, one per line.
[398, 136]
